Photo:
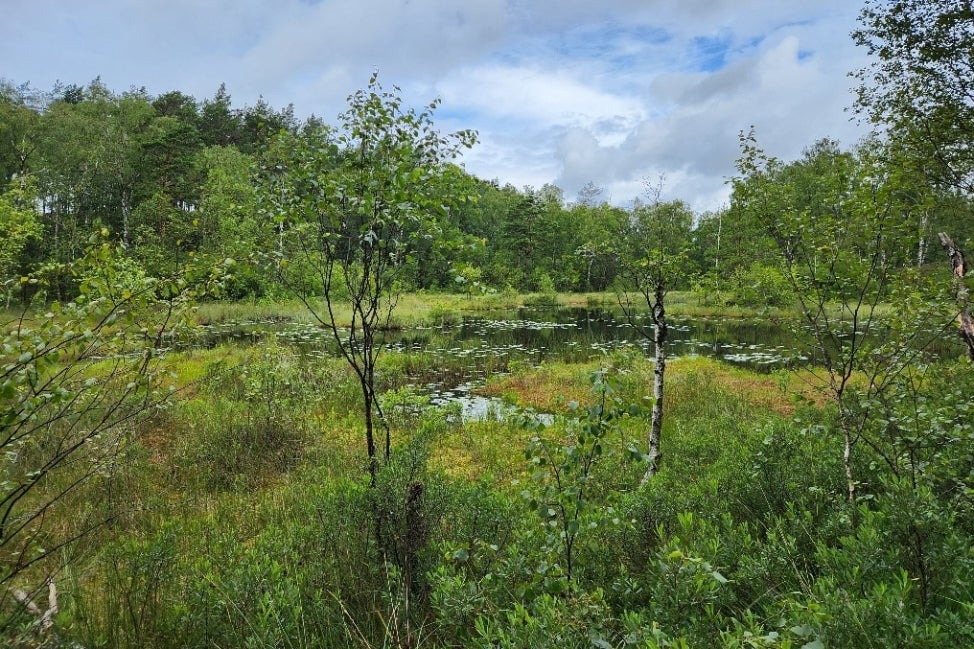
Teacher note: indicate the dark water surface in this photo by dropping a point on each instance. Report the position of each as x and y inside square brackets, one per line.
[475, 346]
[534, 335]
[466, 349]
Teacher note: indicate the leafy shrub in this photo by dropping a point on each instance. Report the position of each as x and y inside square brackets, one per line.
[760, 285]
[254, 425]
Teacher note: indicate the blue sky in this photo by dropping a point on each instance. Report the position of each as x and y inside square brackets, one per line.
[617, 92]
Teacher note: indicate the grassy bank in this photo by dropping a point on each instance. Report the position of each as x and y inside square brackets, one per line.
[415, 309]
[422, 308]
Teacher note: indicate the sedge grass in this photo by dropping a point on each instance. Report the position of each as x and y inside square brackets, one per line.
[427, 308]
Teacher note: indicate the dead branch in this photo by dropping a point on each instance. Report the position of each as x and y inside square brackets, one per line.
[961, 293]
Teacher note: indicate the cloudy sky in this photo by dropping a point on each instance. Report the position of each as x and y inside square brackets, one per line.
[615, 92]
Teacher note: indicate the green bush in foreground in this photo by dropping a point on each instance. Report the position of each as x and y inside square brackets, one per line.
[743, 539]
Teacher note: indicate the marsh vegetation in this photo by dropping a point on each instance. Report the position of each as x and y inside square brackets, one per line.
[240, 354]
[240, 515]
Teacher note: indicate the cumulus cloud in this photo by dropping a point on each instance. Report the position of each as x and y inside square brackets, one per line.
[790, 85]
[571, 91]
[533, 94]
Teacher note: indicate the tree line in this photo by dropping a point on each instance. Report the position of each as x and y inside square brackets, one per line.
[173, 178]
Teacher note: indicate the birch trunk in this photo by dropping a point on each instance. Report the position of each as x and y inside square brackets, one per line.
[659, 372]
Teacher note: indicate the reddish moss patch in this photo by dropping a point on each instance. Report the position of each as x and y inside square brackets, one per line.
[548, 388]
[551, 388]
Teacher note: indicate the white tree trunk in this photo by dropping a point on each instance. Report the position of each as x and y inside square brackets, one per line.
[659, 372]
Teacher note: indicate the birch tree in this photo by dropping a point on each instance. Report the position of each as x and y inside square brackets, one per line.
[845, 232]
[654, 255]
[349, 205]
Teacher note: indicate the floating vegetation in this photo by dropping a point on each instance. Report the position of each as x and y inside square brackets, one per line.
[465, 350]
[529, 325]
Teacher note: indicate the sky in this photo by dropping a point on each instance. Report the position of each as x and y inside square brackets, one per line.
[627, 94]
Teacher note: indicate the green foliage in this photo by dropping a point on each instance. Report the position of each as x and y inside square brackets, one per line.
[350, 206]
[682, 583]
[253, 431]
[844, 228]
[742, 539]
[165, 236]
[653, 256]
[137, 572]
[469, 277]
[918, 83]
[544, 284]
[654, 246]
[759, 285]
[726, 245]
[564, 493]
[519, 237]
[18, 225]
[227, 225]
[546, 295]
[547, 621]
[242, 520]
[18, 125]
[136, 165]
[839, 229]
[76, 383]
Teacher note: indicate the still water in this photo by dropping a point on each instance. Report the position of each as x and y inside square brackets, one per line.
[579, 334]
[534, 335]
[477, 345]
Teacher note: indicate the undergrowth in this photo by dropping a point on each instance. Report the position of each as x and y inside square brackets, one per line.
[246, 519]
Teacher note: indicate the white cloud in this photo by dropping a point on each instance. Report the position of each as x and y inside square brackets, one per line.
[546, 97]
[568, 91]
[792, 98]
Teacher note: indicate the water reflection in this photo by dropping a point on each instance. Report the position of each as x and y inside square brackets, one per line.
[579, 334]
[536, 335]
[465, 352]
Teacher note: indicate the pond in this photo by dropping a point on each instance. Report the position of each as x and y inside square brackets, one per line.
[472, 347]
[579, 334]
[534, 335]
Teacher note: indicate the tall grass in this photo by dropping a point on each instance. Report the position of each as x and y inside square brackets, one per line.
[422, 308]
[249, 520]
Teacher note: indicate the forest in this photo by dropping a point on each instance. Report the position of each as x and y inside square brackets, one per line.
[163, 486]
